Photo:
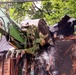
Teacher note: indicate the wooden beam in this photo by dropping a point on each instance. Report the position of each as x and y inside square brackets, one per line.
[70, 38]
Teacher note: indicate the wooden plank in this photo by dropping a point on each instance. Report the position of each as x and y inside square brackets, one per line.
[70, 38]
[7, 66]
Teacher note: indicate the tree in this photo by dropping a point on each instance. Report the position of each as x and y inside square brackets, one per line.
[58, 8]
[18, 11]
[52, 11]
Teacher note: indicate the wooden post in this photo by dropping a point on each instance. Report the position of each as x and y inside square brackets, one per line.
[12, 67]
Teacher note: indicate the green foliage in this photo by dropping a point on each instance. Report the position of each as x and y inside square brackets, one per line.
[52, 10]
[58, 8]
[18, 11]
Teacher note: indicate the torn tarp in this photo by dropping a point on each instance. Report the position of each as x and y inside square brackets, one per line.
[4, 45]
